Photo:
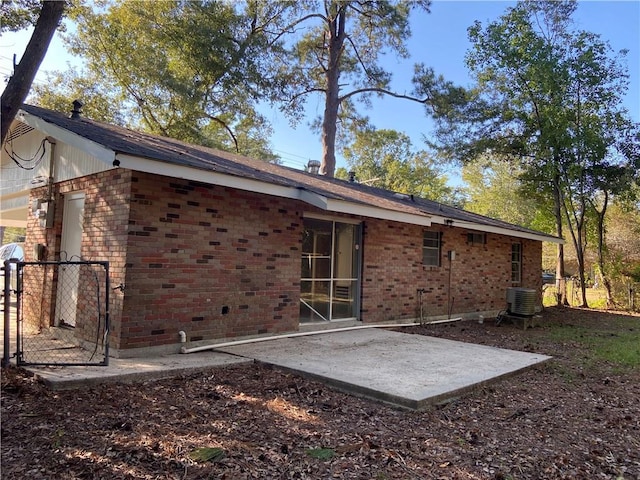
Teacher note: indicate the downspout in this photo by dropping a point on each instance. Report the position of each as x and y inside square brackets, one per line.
[451, 254]
[305, 334]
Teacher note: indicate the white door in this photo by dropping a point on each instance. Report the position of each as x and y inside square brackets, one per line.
[70, 250]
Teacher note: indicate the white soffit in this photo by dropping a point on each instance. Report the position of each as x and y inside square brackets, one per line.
[341, 206]
[205, 176]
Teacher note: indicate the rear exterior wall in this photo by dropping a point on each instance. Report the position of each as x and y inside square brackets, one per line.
[474, 281]
[210, 261]
[104, 238]
[220, 263]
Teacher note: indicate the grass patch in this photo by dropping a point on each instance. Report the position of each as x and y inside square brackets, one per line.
[622, 349]
[321, 453]
[620, 346]
[596, 297]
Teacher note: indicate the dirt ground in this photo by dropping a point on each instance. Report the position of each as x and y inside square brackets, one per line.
[575, 417]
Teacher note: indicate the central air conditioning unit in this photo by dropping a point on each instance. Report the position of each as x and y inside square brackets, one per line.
[521, 301]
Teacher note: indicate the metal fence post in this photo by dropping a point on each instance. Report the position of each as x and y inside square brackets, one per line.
[7, 314]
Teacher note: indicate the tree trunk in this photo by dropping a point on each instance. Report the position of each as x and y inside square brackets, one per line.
[601, 247]
[561, 287]
[19, 84]
[336, 34]
[575, 221]
[581, 276]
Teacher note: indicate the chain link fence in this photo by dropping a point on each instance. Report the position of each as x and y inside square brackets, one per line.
[62, 314]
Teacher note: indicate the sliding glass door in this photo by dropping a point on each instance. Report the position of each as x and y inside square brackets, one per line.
[329, 271]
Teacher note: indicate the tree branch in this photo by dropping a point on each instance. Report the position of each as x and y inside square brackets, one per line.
[302, 94]
[360, 61]
[384, 92]
[227, 128]
[20, 82]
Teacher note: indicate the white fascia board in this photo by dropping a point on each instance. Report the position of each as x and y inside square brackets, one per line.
[314, 199]
[224, 180]
[100, 152]
[341, 206]
[499, 230]
[205, 176]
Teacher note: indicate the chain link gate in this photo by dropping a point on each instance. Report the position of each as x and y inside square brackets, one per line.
[62, 313]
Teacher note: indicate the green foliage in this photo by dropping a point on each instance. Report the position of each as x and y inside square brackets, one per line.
[321, 453]
[62, 88]
[549, 99]
[622, 254]
[207, 454]
[493, 188]
[12, 234]
[187, 70]
[387, 159]
[337, 55]
[19, 14]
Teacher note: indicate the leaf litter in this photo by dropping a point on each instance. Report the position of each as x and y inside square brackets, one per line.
[566, 419]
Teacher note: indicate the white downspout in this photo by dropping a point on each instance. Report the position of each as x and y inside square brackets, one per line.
[304, 334]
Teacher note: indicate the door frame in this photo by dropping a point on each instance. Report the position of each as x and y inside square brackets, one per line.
[71, 238]
[332, 279]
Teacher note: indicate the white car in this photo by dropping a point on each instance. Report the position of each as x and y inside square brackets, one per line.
[7, 252]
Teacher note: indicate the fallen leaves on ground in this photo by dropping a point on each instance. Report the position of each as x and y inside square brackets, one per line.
[566, 419]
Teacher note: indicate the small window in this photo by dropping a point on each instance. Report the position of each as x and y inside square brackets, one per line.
[516, 263]
[431, 247]
[477, 238]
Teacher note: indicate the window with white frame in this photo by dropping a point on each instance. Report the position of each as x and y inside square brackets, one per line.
[431, 248]
[516, 263]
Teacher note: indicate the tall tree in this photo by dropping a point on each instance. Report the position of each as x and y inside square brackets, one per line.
[613, 181]
[549, 98]
[188, 70]
[494, 189]
[338, 56]
[16, 16]
[387, 159]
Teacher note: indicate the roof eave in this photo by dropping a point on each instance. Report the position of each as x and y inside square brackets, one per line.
[541, 237]
[242, 183]
[97, 150]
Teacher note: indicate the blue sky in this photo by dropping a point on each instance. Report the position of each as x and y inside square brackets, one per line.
[439, 40]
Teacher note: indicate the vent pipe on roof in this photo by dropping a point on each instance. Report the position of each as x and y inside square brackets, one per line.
[313, 167]
[352, 176]
[77, 109]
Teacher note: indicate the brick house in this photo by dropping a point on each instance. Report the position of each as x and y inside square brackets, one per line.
[220, 246]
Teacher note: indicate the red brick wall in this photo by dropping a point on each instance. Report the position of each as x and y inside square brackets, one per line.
[219, 263]
[104, 238]
[213, 262]
[38, 307]
[475, 281]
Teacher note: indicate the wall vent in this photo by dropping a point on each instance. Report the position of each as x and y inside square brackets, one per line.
[18, 130]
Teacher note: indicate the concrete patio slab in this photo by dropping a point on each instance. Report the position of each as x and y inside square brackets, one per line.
[132, 370]
[411, 371]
